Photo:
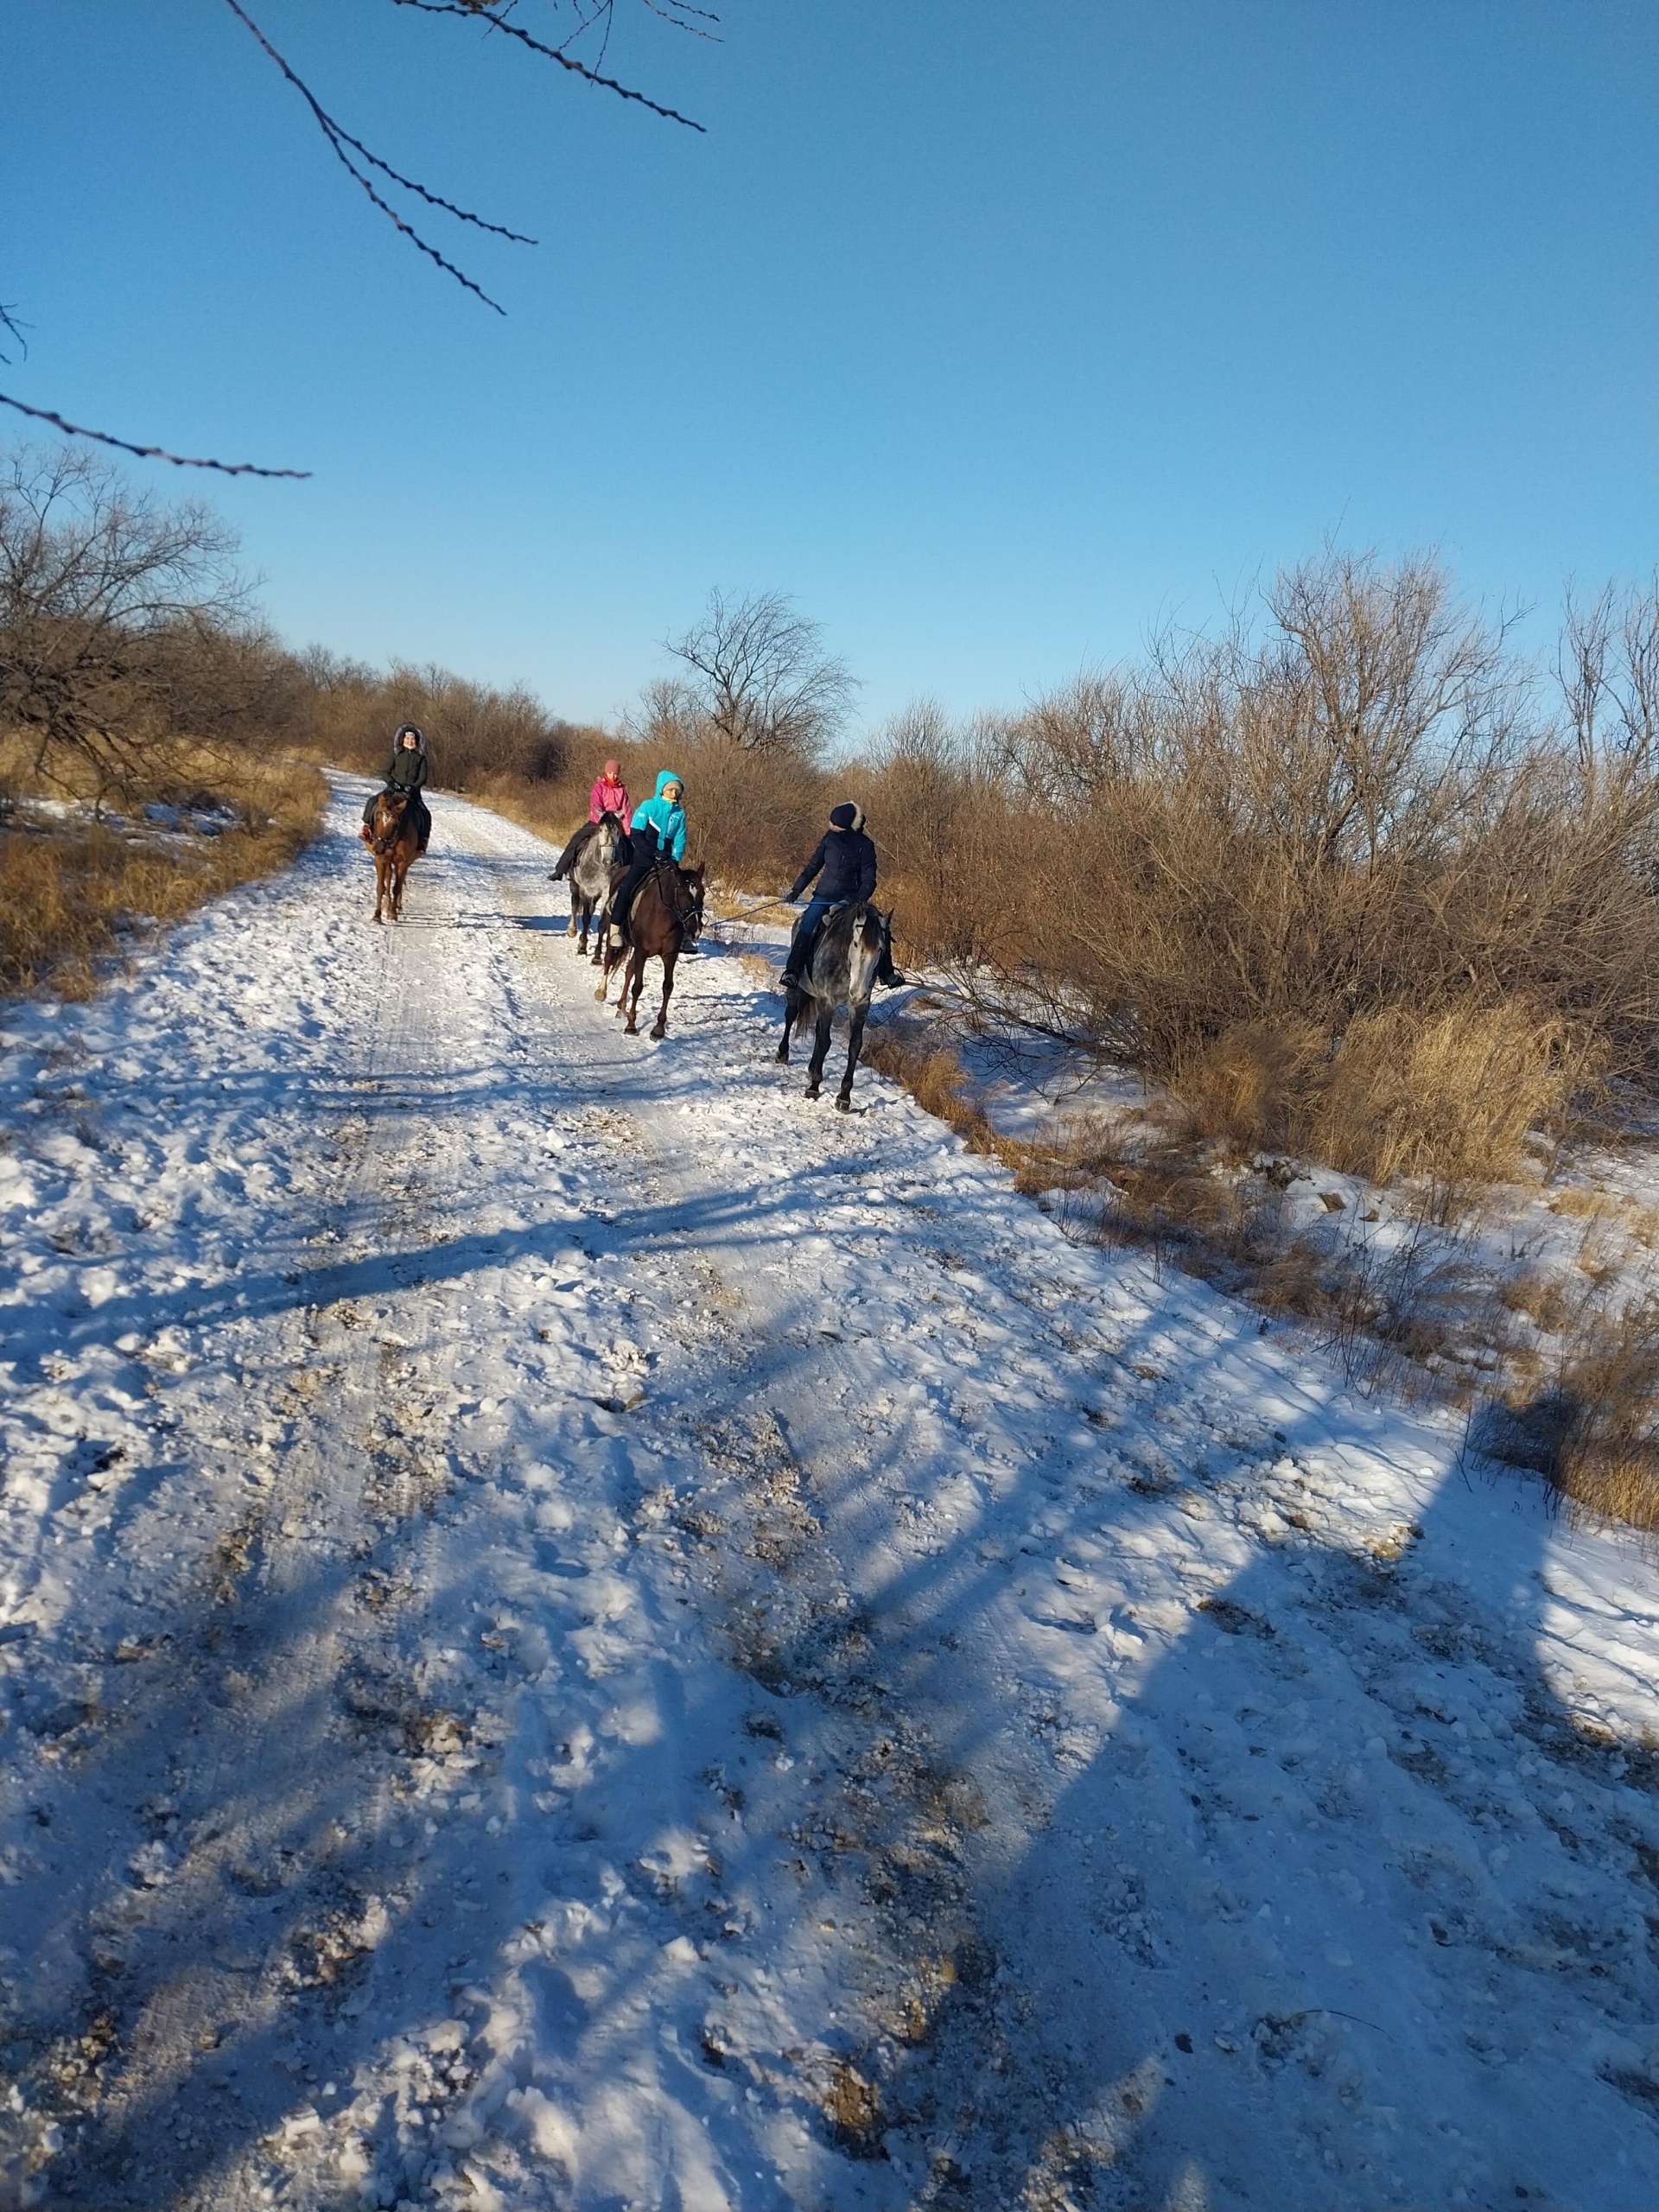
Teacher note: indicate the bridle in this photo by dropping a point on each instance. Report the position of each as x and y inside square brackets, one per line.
[683, 908]
[388, 837]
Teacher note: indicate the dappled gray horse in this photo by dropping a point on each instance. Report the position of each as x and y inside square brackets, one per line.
[590, 884]
[841, 971]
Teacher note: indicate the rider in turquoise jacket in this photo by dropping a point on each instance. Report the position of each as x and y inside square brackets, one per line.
[664, 816]
[657, 834]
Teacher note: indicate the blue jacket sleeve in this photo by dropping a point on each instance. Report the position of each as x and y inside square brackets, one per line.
[676, 845]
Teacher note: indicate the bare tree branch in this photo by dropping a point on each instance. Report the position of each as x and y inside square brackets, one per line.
[339, 140]
[144, 453]
[483, 10]
[357, 160]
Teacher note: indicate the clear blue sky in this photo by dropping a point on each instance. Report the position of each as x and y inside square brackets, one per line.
[995, 333]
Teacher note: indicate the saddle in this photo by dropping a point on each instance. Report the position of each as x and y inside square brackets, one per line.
[683, 910]
[801, 954]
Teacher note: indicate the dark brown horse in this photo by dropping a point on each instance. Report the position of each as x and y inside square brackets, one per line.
[395, 841]
[667, 915]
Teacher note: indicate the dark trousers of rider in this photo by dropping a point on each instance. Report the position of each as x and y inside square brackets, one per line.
[572, 852]
[806, 930]
[645, 858]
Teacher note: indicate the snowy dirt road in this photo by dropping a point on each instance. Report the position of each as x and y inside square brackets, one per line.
[579, 1632]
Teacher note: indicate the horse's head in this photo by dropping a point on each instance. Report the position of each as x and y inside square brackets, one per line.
[389, 811]
[688, 904]
[871, 930]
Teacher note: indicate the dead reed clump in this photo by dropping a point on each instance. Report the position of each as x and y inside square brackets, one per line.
[1257, 1085]
[1593, 1432]
[1450, 1096]
[1608, 1458]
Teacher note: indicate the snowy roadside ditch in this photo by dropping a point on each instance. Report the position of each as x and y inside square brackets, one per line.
[578, 1633]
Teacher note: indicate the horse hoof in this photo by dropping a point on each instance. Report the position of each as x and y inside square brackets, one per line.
[658, 1035]
[844, 1104]
[598, 995]
[812, 1091]
[782, 1056]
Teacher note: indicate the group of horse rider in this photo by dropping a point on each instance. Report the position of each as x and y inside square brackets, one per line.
[842, 865]
[843, 862]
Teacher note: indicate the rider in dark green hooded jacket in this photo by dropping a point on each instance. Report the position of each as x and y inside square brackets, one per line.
[406, 772]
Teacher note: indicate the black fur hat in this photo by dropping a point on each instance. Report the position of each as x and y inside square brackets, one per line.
[846, 815]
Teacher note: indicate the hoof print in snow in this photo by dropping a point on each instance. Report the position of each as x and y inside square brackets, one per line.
[1234, 1619]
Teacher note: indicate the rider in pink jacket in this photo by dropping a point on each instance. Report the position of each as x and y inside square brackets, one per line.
[609, 795]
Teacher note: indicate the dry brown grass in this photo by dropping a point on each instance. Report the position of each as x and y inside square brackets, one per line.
[1608, 1460]
[1593, 1432]
[67, 893]
[1451, 1095]
[1543, 1299]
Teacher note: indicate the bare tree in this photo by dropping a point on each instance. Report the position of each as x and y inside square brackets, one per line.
[589, 20]
[761, 678]
[122, 622]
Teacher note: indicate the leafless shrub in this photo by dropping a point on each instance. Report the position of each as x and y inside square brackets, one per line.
[480, 736]
[1342, 880]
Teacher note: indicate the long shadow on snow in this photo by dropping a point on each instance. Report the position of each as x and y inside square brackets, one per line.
[1214, 1829]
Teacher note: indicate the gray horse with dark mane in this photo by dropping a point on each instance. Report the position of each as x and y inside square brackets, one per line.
[590, 883]
[841, 971]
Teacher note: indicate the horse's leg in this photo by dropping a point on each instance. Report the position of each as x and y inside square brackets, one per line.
[399, 870]
[633, 976]
[820, 1047]
[380, 873]
[660, 1029]
[844, 1095]
[605, 960]
[794, 1008]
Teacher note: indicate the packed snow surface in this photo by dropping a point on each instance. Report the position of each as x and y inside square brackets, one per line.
[578, 1631]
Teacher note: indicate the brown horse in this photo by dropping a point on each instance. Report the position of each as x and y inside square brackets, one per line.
[395, 841]
[667, 915]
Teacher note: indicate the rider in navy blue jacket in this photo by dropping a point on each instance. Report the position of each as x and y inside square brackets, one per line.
[844, 864]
